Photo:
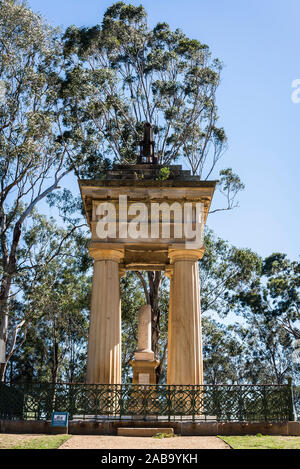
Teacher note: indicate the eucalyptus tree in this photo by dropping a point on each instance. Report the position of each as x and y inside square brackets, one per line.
[226, 272]
[34, 156]
[51, 301]
[124, 73]
[267, 352]
[223, 353]
[254, 351]
[268, 304]
[282, 292]
[275, 295]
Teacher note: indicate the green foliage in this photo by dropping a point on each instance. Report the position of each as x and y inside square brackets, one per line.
[222, 353]
[224, 271]
[257, 348]
[275, 296]
[230, 185]
[164, 174]
[267, 352]
[33, 154]
[30, 113]
[54, 301]
[122, 73]
[160, 436]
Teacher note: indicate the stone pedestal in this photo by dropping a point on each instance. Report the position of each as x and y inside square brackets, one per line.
[104, 347]
[144, 365]
[184, 328]
[144, 371]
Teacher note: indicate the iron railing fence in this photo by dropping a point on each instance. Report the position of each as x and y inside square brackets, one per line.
[37, 401]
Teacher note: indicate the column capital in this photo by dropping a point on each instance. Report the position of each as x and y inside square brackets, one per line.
[185, 254]
[106, 254]
[169, 271]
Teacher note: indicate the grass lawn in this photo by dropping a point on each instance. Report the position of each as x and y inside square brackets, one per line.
[262, 442]
[8, 441]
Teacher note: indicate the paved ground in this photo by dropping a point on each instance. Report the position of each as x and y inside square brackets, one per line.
[127, 442]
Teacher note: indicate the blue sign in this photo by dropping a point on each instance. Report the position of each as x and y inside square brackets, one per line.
[60, 419]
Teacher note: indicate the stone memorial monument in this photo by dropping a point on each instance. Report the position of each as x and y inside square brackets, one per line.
[140, 220]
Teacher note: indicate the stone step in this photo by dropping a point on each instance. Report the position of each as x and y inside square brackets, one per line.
[136, 431]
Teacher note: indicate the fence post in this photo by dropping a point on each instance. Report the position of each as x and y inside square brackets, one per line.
[291, 409]
[71, 400]
[241, 403]
[169, 406]
[193, 401]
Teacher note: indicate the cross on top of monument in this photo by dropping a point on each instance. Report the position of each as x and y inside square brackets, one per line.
[147, 146]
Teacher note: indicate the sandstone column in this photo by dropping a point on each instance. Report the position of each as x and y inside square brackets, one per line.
[184, 328]
[104, 346]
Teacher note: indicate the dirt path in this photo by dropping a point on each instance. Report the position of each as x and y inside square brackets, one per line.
[127, 442]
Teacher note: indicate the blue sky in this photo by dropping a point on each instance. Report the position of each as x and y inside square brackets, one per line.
[258, 42]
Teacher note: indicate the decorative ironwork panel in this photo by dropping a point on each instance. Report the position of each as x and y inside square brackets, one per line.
[37, 401]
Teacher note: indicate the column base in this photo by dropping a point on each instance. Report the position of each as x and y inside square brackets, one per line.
[144, 371]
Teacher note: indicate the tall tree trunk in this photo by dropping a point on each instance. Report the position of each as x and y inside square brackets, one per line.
[154, 279]
[9, 270]
[4, 310]
[55, 361]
